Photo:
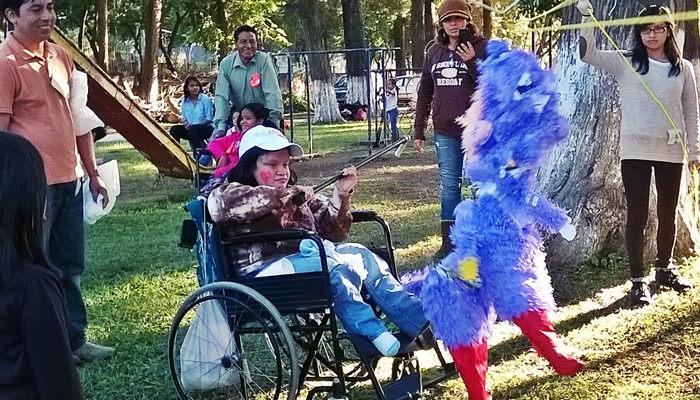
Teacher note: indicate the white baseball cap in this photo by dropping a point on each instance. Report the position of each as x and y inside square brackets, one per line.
[269, 139]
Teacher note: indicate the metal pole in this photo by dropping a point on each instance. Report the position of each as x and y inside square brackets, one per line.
[369, 100]
[308, 105]
[291, 98]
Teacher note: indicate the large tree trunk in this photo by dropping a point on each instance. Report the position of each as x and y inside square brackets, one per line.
[487, 20]
[417, 28]
[583, 174]
[102, 34]
[325, 104]
[149, 69]
[399, 40]
[688, 242]
[218, 12]
[354, 35]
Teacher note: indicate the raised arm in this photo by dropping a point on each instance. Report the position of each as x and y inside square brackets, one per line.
[611, 61]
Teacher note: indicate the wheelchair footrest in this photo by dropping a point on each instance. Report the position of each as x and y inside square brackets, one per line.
[409, 387]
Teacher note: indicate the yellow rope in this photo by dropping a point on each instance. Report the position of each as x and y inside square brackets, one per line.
[553, 9]
[681, 16]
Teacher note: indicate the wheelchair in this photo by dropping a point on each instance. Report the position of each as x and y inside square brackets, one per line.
[277, 337]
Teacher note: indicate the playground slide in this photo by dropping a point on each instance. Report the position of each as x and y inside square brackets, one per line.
[114, 106]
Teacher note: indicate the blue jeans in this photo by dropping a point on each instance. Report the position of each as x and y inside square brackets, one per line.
[393, 120]
[64, 239]
[450, 164]
[354, 267]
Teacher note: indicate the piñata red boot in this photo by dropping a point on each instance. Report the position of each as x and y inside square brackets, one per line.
[538, 329]
[472, 362]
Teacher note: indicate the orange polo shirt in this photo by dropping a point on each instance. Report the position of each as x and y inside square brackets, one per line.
[34, 91]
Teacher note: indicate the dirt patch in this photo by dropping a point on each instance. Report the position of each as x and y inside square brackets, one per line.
[410, 177]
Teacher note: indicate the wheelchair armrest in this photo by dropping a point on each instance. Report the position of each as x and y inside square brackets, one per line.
[363, 216]
[277, 236]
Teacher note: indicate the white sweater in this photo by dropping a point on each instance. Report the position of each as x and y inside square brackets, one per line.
[644, 131]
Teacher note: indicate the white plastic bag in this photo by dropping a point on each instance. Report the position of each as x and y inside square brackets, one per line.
[207, 340]
[92, 210]
[84, 119]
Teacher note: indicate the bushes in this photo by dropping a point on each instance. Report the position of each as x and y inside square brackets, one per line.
[299, 103]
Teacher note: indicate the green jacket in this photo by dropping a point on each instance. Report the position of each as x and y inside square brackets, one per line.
[236, 87]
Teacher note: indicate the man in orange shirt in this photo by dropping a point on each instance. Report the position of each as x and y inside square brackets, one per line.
[34, 77]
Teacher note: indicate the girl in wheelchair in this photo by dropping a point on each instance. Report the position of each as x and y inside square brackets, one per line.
[261, 196]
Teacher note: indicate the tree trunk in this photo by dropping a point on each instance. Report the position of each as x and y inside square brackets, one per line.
[149, 68]
[688, 241]
[102, 34]
[583, 174]
[417, 28]
[399, 40]
[488, 20]
[353, 33]
[325, 105]
[218, 13]
[428, 23]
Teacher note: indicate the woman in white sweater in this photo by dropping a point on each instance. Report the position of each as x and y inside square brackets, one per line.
[648, 139]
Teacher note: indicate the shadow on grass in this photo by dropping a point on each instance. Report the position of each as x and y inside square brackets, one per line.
[528, 387]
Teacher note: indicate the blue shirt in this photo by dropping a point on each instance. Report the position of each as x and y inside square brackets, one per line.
[200, 113]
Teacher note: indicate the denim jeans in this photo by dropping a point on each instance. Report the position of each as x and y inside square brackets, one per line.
[354, 267]
[64, 239]
[450, 163]
[393, 120]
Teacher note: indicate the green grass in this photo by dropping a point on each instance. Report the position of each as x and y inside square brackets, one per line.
[137, 278]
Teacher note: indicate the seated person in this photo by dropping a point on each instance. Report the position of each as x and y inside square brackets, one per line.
[261, 195]
[225, 149]
[197, 115]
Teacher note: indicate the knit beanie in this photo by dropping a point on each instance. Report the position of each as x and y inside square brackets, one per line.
[459, 8]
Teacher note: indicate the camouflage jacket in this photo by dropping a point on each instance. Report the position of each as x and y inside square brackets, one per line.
[239, 208]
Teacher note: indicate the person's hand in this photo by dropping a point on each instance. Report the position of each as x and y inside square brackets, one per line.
[308, 192]
[568, 231]
[419, 145]
[218, 134]
[465, 51]
[585, 7]
[97, 188]
[348, 181]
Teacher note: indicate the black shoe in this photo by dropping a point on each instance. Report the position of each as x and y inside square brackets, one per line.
[446, 246]
[640, 294]
[670, 278]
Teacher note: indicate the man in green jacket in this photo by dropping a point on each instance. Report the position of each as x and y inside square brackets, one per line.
[246, 76]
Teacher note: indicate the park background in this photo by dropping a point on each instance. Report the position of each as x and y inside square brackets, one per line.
[137, 276]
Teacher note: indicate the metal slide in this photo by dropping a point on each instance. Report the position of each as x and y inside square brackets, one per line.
[114, 106]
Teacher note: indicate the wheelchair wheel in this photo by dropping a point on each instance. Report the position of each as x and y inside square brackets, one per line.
[228, 342]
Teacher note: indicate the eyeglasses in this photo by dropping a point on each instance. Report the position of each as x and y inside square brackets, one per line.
[657, 29]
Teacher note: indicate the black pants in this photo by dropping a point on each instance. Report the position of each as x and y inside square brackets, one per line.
[195, 134]
[636, 177]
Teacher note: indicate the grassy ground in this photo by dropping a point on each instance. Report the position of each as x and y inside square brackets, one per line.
[137, 277]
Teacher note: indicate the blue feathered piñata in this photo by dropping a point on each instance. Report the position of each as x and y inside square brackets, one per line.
[497, 267]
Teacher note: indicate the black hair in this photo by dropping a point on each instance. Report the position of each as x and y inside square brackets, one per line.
[241, 29]
[640, 57]
[13, 5]
[244, 171]
[23, 199]
[187, 83]
[259, 110]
